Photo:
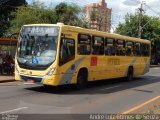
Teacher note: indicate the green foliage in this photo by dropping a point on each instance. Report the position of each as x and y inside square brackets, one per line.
[32, 14]
[69, 14]
[150, 27]
[94, 15]
[6, 7]
[129, 27]
[37, 13]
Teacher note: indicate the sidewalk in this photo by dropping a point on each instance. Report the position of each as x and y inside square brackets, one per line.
[151, 66]
[6, 78]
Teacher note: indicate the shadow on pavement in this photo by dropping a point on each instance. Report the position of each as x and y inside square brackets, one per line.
[100, 87]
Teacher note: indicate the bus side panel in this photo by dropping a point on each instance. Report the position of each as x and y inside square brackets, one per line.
[98, 67]
[118, 65]
[146, 65]
[111, 67]
[138, 66]
[68, 72]
[84, 63]
[121, 65]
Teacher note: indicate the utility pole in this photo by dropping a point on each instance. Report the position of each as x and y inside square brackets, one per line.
[140, 19]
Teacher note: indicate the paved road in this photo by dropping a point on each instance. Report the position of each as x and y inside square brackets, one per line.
[100, 97]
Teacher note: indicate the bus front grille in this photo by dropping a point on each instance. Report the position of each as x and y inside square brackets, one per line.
[36, 79]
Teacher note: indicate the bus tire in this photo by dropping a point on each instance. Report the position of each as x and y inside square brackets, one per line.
[129, 76]
[47, 86]
[82, 79]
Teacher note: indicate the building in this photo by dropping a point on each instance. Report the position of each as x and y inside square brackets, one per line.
[98, 16]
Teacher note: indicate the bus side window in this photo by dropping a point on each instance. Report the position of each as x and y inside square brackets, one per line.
[84, 44]
[137, 49]
[129, 48]
[145, 49]
[120, 48]
[67, 51]
[110, 48]
[97, 45]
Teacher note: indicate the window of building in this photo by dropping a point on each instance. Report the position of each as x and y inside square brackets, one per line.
[145, 49]
[97, 45]
[84, 44]
[121, 50]
[67, 50]
[137, 49]
[129, 48]
[110, 48]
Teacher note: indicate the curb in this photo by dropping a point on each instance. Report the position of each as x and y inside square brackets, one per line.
[4, 81]
[142, 106]
[152, 66]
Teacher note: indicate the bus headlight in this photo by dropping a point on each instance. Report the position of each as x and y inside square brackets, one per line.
[50, 72]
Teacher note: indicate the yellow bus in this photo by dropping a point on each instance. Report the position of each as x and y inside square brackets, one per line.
[58, 54]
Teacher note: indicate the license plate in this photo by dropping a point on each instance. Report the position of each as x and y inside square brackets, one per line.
[30, 81]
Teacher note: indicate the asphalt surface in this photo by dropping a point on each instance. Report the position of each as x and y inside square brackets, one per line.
[103, 97]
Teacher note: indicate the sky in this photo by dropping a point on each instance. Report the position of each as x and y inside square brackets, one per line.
[119, 7]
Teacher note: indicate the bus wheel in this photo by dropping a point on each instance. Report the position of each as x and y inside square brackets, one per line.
[47, 86]
[129, 76]
[82, 79]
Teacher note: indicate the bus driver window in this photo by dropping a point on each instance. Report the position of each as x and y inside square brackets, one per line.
[67, 51]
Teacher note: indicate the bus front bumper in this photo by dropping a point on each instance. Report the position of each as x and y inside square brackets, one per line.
[46, 80]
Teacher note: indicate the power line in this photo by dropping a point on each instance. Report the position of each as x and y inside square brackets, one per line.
[148, 7]
[140, 19]
[137, 1]
[158, 13]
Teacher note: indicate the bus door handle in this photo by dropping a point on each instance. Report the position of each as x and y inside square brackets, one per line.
[73, 67]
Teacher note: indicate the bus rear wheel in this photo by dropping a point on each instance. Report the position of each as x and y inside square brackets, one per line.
[129, 76]
[82, 79]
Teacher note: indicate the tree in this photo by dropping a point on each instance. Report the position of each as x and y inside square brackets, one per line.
[37, 13]
[150, 27]
[150, 30]
[97, 17]
[69, 14]
[31, 14]
[6, 7]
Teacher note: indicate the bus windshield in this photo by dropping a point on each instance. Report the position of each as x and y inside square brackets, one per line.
[37, 46]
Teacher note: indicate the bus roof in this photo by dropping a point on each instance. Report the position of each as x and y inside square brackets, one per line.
[45, 25]
[93, 32]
